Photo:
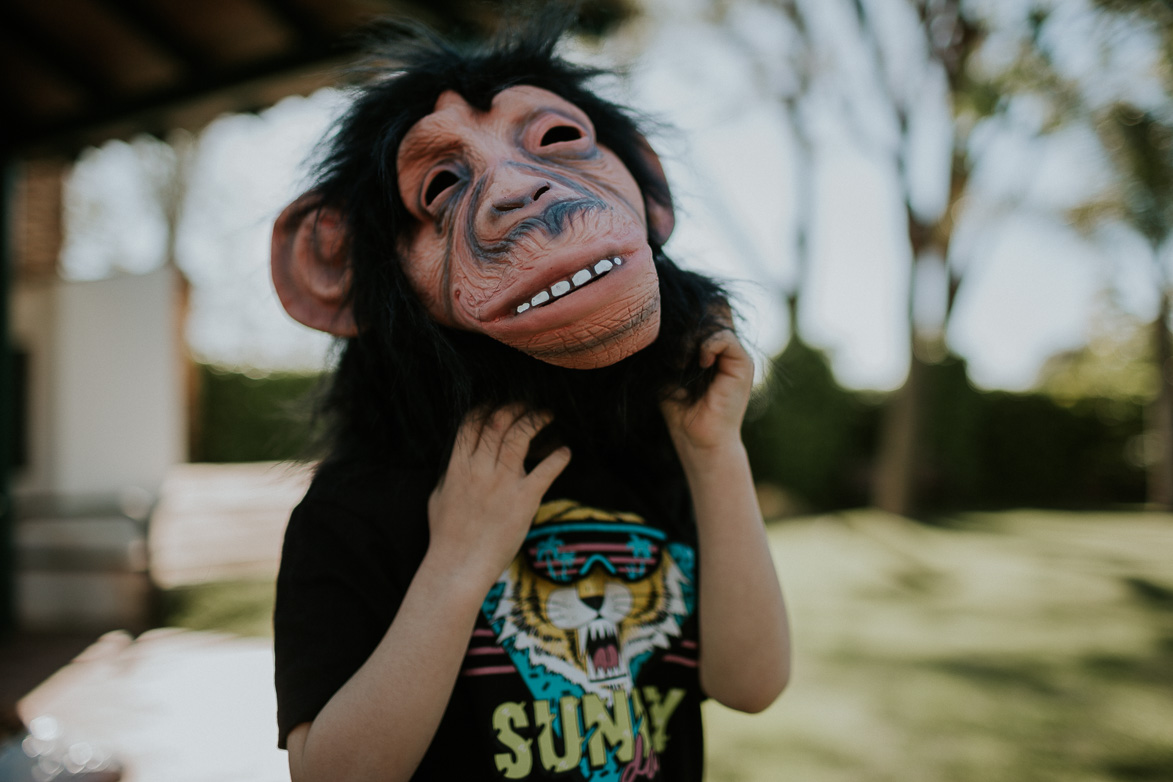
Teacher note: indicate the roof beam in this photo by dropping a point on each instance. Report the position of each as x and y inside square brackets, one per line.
[146, 21]
[308, 28]
[77, 132]
[51, 55]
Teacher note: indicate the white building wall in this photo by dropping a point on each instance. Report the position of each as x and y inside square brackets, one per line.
[117, 388]
[106, 420]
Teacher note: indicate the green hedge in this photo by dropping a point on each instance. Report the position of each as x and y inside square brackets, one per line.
[248, 418]
[805, 434]
[817, 441]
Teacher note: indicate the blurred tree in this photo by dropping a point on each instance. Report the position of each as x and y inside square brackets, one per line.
[915, 103]
[941, 59]
[795, 101]
[1116, 364]
[1139, 143]
[793, 94]
[1136, 134]
[774, 39]
[167, 168]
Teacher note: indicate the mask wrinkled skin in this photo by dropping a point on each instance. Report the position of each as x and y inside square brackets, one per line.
[528, 230]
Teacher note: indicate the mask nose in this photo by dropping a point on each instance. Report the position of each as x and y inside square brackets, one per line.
[515, 193]
[520, 197]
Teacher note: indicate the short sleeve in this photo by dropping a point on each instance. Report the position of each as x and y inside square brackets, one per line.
[342, 578]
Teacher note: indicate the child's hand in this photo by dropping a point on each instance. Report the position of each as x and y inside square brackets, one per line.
[714, 421]
[482, 508]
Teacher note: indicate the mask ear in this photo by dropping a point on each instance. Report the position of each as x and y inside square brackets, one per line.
[311, 266]
[661, 214]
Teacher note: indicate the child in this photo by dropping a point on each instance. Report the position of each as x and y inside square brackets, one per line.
[534, 547]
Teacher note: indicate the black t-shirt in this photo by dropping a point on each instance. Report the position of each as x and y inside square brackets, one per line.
[583, 661]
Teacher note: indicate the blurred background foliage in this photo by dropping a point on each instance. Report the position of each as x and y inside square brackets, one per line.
[1078, 443]
[941, 98]
[812, 441]
[1096, 429]
[252, 416]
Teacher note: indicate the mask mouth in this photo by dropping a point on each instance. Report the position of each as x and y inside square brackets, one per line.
[580, 279]
[608, 314]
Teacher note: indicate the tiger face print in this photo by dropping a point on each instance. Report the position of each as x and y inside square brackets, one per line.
[590, 596]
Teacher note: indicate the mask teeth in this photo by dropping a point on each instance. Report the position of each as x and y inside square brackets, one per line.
[577, 280]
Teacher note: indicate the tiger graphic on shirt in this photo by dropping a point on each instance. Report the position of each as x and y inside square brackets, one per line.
[586, 602]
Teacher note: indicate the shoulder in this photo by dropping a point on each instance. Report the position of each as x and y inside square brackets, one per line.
[364, 492]
[359, 511]
[361, 487]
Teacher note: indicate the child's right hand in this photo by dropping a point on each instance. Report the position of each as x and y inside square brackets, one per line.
[482, 508]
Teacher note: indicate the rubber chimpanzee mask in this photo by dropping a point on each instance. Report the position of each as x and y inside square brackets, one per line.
[524, 228]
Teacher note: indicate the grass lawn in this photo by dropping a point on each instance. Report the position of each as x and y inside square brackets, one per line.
[1000, 647]
[239, 607]
[1012, 646]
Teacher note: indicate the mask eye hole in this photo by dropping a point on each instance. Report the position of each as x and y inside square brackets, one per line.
[560, 133]
[440, 182]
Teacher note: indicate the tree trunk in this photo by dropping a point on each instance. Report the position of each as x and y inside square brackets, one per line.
[899, 451]
[1160, 427]
[899, 454]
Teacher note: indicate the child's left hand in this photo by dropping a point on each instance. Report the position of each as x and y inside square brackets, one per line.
[714, 421]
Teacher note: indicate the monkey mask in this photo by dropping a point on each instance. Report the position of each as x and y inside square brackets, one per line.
[523, 228]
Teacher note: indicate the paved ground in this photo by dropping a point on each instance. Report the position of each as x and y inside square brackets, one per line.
[168, 706]
[26, 660]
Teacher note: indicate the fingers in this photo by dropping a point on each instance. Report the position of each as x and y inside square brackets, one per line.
[468, 436]
[509, 434]
[716, 417]
[724, 343]
[499, 438]
[543, 475]
[516, 439]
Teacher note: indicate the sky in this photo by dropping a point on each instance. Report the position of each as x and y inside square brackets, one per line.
[1032, 284]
